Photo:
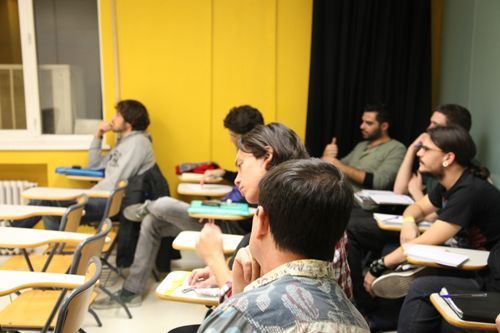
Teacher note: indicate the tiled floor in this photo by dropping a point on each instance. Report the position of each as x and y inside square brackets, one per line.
[154, 315]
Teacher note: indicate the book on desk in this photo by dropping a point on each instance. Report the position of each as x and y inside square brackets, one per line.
[81, 172]
[214, 207]
[473, 306]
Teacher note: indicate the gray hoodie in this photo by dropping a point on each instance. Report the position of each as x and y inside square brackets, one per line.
[132, 155]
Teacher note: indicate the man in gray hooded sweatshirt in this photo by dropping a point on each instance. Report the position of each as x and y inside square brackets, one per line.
[132, 155]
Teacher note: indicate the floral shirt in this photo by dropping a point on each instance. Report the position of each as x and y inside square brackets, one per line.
[300, 296]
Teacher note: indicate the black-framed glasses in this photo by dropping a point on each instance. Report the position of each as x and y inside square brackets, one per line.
[420, 145]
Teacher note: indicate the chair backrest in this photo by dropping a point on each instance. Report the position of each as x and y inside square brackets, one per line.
[73, 216]
[74, 308]
[90, 247]
[115, 200]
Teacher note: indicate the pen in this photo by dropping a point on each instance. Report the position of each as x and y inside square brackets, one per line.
[464, 295]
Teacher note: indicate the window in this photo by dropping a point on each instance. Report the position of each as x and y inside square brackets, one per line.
[50, 73]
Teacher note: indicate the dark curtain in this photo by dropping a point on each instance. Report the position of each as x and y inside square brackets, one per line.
[367, 52]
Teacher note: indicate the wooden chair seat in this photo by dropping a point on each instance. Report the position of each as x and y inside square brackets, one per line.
[59, 263]
[31, 309]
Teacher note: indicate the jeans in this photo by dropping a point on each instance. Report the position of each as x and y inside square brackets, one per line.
[419, 315]
[94, 210]
[363, 236]
[167, 218]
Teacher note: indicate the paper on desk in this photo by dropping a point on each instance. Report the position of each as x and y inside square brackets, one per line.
[397, 220]
[390, 198]
[434, 254]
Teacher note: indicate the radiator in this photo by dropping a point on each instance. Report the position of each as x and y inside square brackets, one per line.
[10, 191]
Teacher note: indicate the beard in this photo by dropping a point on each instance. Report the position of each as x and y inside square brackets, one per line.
[374, 135]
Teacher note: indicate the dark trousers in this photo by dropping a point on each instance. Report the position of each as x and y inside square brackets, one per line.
[419, 315]
[94, 210]
[365, 236]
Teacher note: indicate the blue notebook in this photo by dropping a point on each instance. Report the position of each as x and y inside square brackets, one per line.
[81, 172]
[218, 208]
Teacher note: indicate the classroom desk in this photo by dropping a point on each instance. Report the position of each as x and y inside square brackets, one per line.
[251, 212]
[391, 222]
[12, 281]
[186, 240]
[18, 212]
[191, 177]
[477, 259]
[85, 178]
[207, 190]
[451, 317]
[175, 288]
[57, 193]
[26, 238]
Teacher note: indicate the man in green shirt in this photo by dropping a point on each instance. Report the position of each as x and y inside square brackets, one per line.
[374, 162]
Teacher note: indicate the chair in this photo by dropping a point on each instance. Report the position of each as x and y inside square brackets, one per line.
[72, 314]
[40, 304]
[69, 222]
[113, 206]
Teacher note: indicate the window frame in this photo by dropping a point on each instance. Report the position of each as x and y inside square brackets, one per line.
[32, 137]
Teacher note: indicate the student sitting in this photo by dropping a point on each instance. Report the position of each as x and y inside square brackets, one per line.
[167, 217]
[304, 206]
[409, 182]
[374, 162]
[467, 208]
[132, 155]
[259, 151]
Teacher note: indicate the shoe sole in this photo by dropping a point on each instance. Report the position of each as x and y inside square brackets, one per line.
[396, 285]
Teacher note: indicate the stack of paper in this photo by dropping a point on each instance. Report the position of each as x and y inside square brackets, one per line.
[435, 254]
[386, 197]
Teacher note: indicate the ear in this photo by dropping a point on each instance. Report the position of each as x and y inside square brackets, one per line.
[449, 158]
[385, 126]
[261, 224]
[268, 157]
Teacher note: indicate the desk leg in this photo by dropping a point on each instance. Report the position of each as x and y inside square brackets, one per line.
[27, 258]
[49, 258]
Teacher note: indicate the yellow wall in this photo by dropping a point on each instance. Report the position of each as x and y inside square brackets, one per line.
[190, 61]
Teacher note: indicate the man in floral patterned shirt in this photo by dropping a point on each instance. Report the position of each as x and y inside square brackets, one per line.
[304, 208]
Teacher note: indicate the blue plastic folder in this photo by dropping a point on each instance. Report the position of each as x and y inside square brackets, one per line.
[81, 172]
[219, 208]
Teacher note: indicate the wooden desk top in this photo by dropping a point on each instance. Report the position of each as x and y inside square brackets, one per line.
[85, 178]
[12, 281]
[477, 259]
[27, 238]
[191, 177]
[394, 222]
[251, 212]
[18, 212]
[175, 288]
[451, 317]
[186, 240]
[207, 190]
[57, 193]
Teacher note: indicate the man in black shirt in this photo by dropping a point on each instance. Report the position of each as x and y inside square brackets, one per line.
[466, 204]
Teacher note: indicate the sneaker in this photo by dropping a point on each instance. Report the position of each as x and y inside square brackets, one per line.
[396, 284]
[130, 299]
[136, 212]
[5, 223]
